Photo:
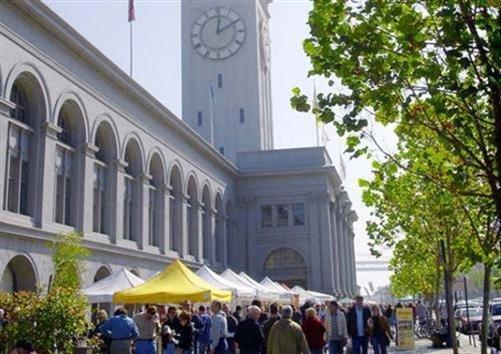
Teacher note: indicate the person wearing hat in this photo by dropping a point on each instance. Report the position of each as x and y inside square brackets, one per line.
[286, 336]
[358, 326]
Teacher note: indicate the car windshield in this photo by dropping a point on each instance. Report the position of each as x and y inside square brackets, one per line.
[473, 312]
[496, 310]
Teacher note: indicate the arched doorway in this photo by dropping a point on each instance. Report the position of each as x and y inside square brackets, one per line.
[19, 275]
[102, 273]
[286, 266]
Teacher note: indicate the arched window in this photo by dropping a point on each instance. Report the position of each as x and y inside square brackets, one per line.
[287, 266]
[206, 223]
[68, 161]
[19, 275]
[192, 217]
[23, 149]
[102, 186]
[132, 193]
[156, 201]
[176, 204]
[219, 232]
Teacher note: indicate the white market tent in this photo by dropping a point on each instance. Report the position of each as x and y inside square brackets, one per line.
[266, 294]
[321, 296]
[102, 291]
[304, 295]
[221, 283]
[283, 294]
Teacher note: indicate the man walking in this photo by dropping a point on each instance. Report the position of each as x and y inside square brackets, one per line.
[358, 317]
[122, 330]
[218, 330]
[336, 329]
[274, 317]
[286, 336]
[148, 326]
[248, 335]
[204, 330]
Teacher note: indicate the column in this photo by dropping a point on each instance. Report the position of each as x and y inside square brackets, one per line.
[327, 259]
[44, 211]
[347, 252]
[86, 214]
[166, 234]
[340, 254]
[251, 229]
[212, 236]
[224, 260]
[315, 264]
[143, 214]
[335, 249]
[5, 107]
[200, 235]
[117, 227]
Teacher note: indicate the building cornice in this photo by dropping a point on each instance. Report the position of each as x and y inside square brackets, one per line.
[42, 14]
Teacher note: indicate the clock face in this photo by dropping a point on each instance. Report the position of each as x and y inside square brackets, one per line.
[218, 33]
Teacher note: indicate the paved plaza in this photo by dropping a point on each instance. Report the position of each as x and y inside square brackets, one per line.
[424, 346]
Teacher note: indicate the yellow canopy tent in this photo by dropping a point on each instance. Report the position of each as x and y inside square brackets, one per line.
[173, 286]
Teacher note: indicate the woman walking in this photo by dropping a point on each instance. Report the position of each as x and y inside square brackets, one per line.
[380, 331]
[314, 331]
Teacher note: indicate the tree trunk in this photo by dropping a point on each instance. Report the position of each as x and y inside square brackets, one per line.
[450, 310]
[485, 310]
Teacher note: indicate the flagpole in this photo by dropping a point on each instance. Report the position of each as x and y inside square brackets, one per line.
[131, 49]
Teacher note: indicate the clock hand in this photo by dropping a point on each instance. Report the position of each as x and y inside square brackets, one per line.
[228, 25]
[218, 25]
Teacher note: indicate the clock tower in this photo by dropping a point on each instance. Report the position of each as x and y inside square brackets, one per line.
[226, 73]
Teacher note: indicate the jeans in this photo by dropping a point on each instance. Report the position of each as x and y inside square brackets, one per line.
[360, 345]
[183, 351]
[171, 349]
[316, 351]
[145, 347]
[203, 348]
[335, 347]
[120, 347]
[378, 345]
[222, 347]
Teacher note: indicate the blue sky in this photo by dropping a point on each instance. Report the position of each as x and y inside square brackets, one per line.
[157, 67]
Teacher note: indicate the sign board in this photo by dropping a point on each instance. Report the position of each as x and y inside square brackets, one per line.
[405, 328]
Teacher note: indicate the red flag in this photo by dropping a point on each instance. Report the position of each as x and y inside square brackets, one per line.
[132, 13]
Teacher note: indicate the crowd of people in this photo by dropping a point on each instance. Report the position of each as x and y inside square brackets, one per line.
[256, 329]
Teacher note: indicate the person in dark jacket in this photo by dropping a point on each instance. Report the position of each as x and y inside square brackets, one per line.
[314, 331]
[358, 328]
[274, 317]
[184, 334]
[249, 338]
[379, 330]
[263, 318]
[169, 328]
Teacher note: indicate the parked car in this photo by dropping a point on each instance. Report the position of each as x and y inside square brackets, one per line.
[494, 324]
[469, 319]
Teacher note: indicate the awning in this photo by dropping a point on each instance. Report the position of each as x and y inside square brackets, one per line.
[284, 295]
[174, 285]
[103, 290]
[219, 282]
[265, 294]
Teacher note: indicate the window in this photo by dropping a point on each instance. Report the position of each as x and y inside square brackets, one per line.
[18, 169]
[129, 198]
[221, 150]
[282, 215]
[242, 115]
[266, 216]
[65, 171]
[298, 214]
[64, 186]
[199, 118]
[220, 80]
[100, 172]
[18, 97]
[152, 217]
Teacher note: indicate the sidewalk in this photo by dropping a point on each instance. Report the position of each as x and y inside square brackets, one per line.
[423, 346]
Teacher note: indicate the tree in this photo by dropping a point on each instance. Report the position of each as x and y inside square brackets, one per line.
[427, 66]
[413, 216]
[67, 257]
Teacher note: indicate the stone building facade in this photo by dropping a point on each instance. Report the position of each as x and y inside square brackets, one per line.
[84, 148]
